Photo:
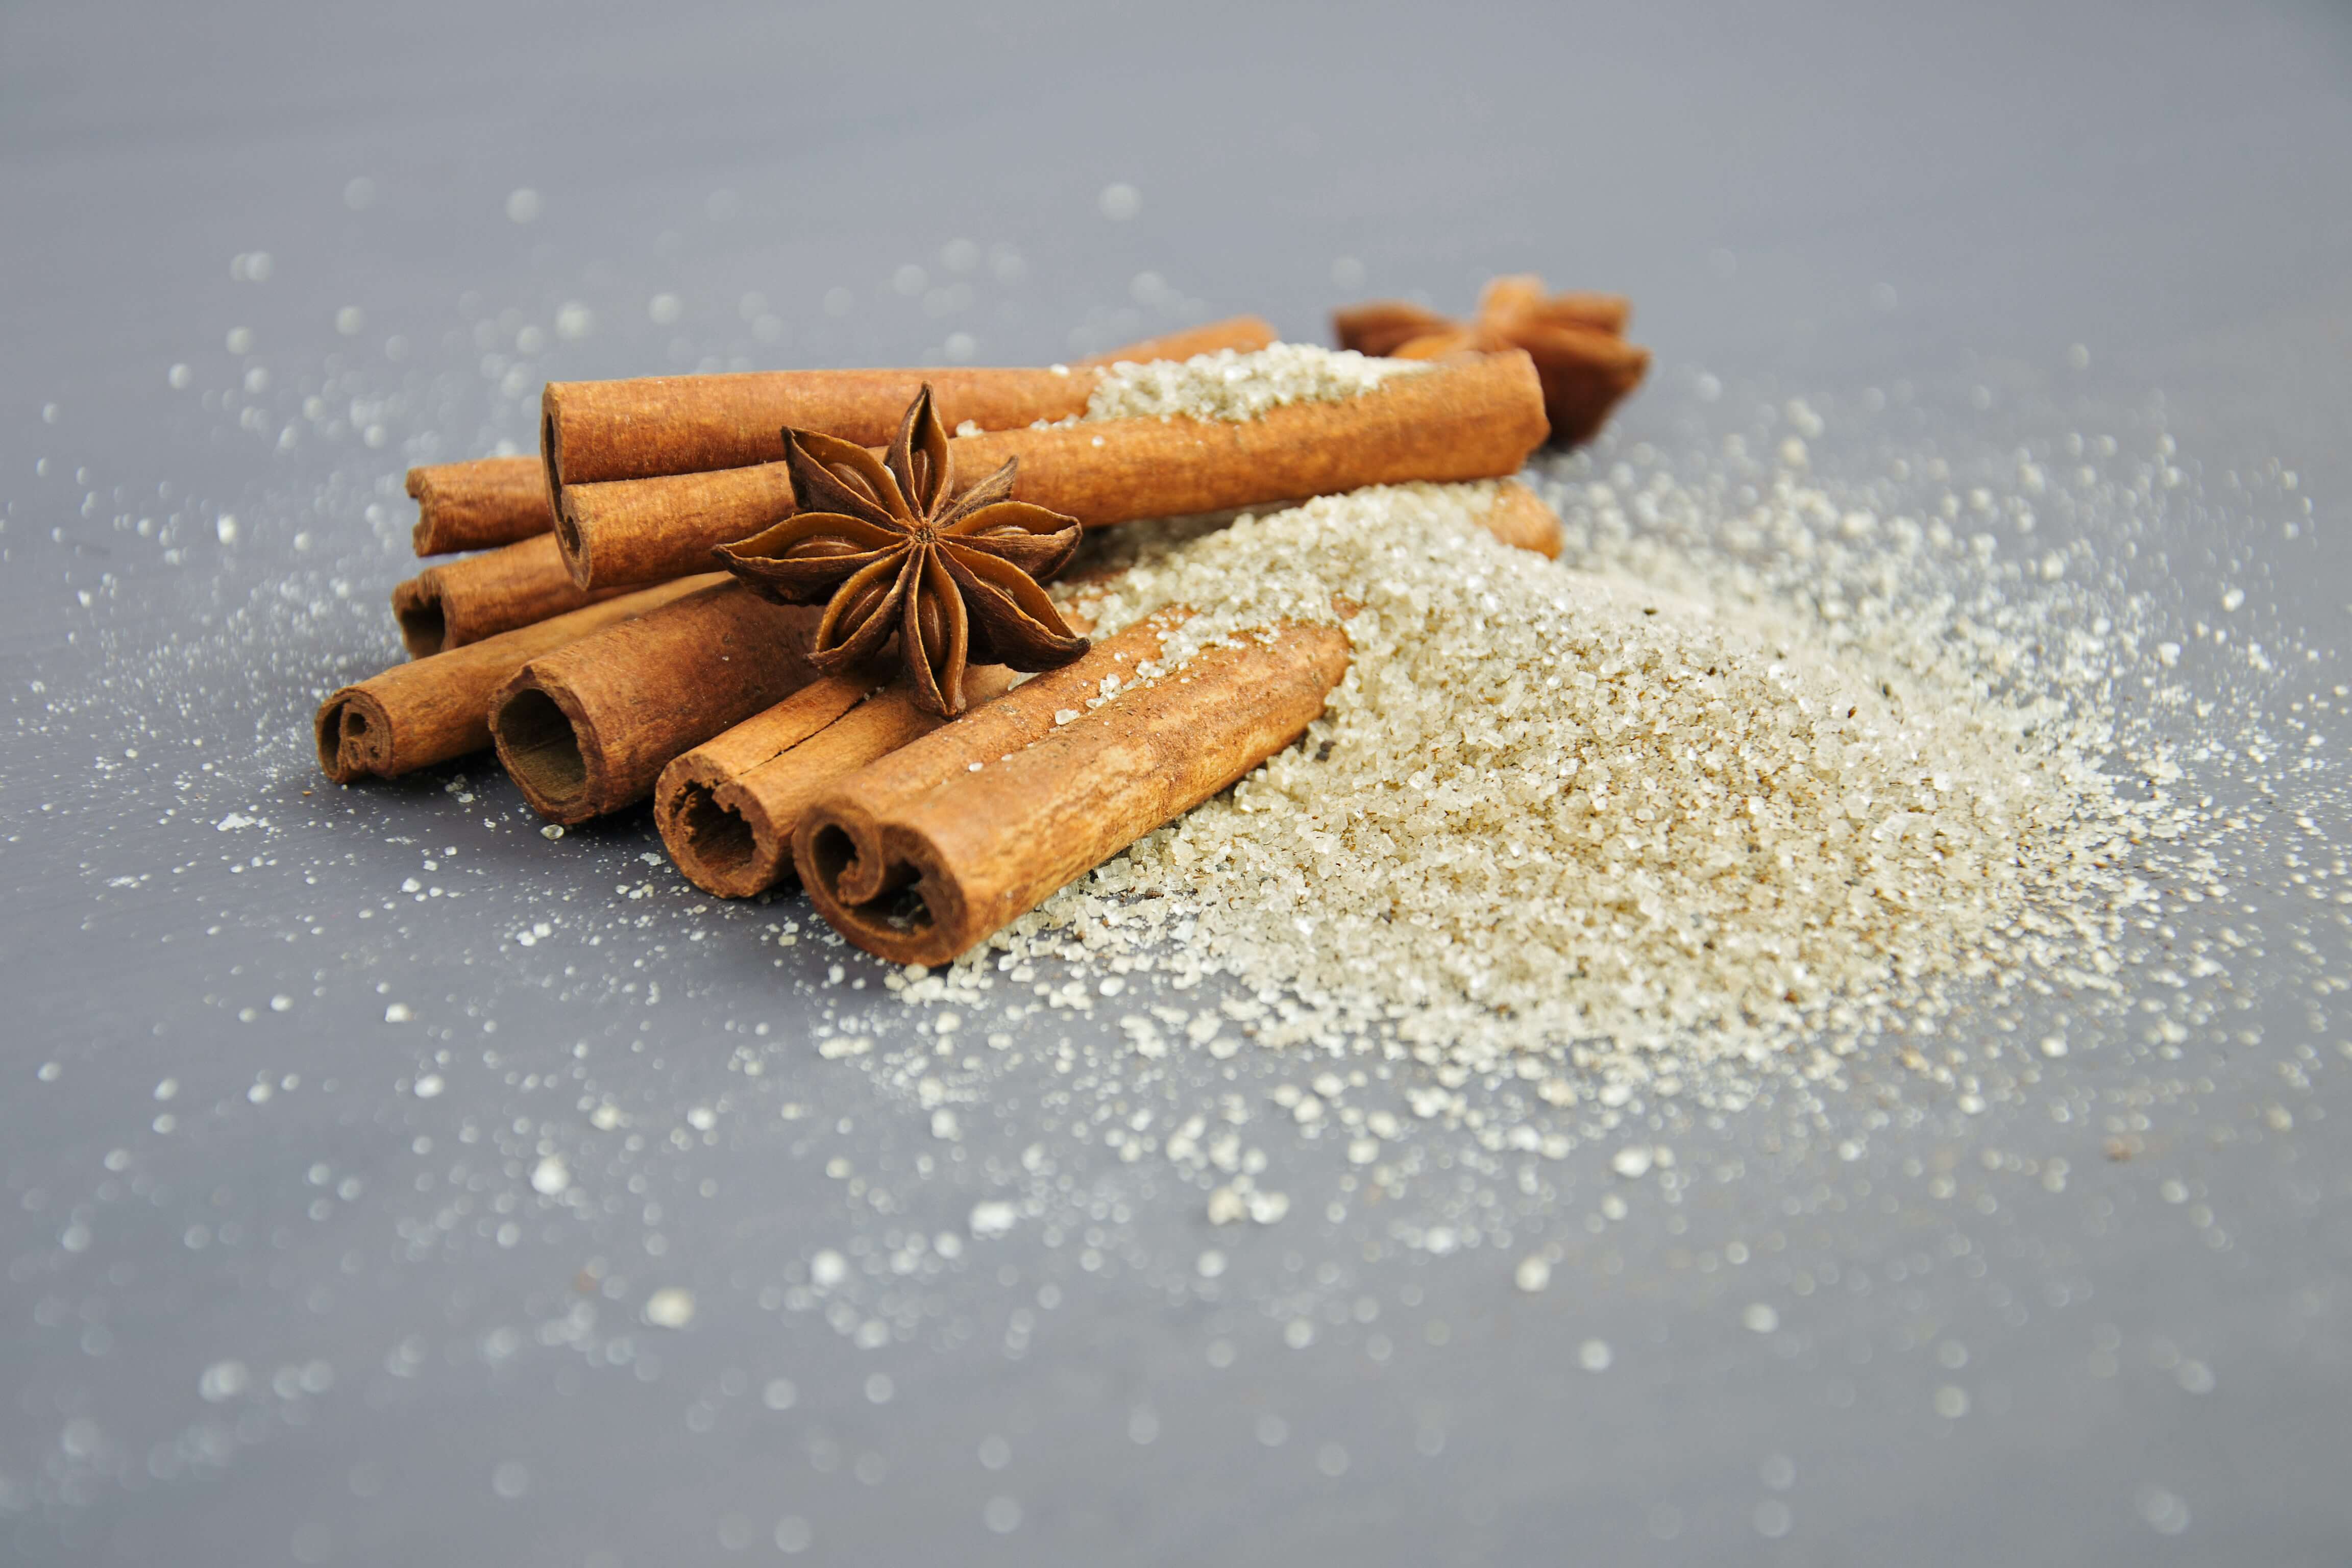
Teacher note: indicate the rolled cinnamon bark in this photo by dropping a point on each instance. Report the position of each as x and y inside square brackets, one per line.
[431, 709]
[586, 728]
[923, 853]
[595, 431]
[642, 530]
[1473, 418]
[463, 601]
[479, 505]
[727, 808]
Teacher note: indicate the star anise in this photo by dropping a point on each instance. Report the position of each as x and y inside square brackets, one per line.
[954, 580]
[1577, 341]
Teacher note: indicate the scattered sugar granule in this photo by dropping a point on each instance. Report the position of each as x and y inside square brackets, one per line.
[993, 1217]
[670, 1308]
[1232, 386]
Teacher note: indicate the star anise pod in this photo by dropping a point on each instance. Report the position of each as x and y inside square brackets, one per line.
[1577, 341]
[954, 580]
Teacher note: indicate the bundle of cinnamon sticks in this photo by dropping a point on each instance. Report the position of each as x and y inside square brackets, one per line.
[589, 641]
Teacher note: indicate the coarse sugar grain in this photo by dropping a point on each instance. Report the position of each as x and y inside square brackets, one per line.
[1584, 812]
[1235, 386]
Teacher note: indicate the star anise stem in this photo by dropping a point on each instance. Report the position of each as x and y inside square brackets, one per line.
[892, 553]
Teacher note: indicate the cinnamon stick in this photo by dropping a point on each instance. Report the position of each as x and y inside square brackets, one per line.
[727, 808]
[463, 601]
[642, 530]
[594, 431]
[586, 728]
[431, 709]
[1473, 418]
[479, 505]
[922, 854]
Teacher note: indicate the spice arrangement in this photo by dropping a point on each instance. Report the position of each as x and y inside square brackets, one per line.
[880, 693]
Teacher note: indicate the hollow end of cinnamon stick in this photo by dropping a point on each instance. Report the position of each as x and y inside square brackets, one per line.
[354, 736]
[890, 896]
[718, 833]
[548, 750]
[714, 843]
[424, 622]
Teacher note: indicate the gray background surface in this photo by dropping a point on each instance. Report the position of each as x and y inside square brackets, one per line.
[298, 1312]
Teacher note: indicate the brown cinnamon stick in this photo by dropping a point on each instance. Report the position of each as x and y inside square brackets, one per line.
[1476, 417]
[463, 601]
[921, 855]
[586, 728]
[594, 431]
[642, 530]
[479, 505]
[727, 808]
[431, 709]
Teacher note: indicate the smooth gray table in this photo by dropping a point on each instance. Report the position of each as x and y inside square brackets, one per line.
[280, 1282]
